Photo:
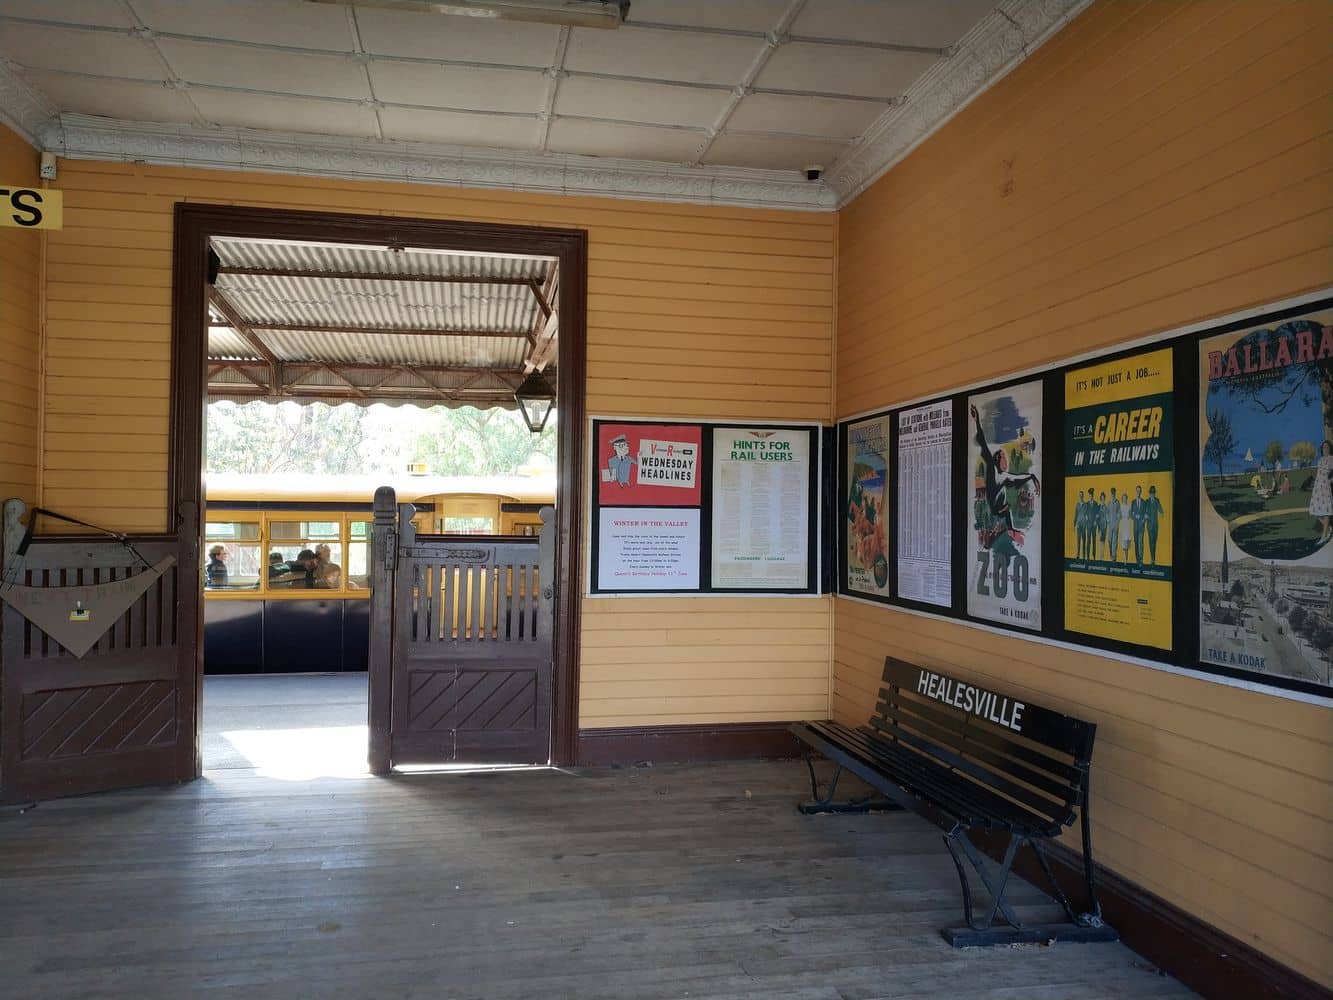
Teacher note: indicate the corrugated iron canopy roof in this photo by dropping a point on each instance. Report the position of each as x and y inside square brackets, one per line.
[306, 321]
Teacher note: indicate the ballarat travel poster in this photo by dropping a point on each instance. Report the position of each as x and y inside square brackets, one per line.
[1119, 499]
[867, 556]
[1004, 576]
[1266, 507]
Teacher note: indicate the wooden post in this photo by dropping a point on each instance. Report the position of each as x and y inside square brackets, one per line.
[379, 666]
[547, 578]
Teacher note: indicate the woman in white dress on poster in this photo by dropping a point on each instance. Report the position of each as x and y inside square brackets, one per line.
[1321, 493]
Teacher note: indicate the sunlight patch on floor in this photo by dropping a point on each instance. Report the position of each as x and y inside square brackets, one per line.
[303, 754]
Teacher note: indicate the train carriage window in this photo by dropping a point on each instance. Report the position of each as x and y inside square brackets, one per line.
[233, 550]
[305, 555]
[358, 556]
[469, 526]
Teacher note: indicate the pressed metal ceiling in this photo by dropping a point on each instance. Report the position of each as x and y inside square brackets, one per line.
[760, 84]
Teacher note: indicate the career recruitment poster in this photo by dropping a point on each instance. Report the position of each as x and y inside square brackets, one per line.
[761, 508]
[1004, 578]
[1119, 499]
[1266, 506]
[925, 442]
[867, 558]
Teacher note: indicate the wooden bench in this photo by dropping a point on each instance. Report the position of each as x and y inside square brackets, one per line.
[970, 759]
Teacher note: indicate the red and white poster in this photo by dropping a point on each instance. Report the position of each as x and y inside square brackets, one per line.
[648, 465]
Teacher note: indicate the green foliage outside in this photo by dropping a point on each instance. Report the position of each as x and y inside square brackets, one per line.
[267, 439]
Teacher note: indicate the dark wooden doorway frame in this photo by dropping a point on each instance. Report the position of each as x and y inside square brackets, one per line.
[195, 224]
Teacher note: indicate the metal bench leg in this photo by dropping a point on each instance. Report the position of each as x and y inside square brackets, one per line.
[981, 933]
[825, 804]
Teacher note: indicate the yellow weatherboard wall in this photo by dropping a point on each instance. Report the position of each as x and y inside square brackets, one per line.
[20, 257]
[693, 311]
[1152, 165]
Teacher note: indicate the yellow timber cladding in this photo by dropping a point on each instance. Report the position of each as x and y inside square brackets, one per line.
[692, 312]
[1151, 166]
[20, 260]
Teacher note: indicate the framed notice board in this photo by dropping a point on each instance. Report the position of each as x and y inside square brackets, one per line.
[688, 507]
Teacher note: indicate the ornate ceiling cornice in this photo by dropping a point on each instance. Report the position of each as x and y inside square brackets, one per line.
[998, 43]
[995, 45]
[22, 108]
[87, 137]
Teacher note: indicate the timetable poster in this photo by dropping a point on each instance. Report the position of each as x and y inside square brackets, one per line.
[867, 556]
[1119, 499]
[648, 465]
[1266, 499]
[1004, 576]
[761, 508]
[648, 548]
[925, 442]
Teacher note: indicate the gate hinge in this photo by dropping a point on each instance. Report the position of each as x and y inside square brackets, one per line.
[391, 552]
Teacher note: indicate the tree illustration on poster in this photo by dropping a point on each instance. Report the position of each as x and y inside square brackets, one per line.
[1266, 503]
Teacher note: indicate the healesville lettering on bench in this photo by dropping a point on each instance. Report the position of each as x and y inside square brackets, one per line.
[978, 701]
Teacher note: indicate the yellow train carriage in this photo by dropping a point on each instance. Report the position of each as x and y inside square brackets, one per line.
[285, 574]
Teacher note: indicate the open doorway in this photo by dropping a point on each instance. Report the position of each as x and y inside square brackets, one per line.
[331, 368]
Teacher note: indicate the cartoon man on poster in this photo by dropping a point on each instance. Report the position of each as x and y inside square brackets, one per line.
[619, 464]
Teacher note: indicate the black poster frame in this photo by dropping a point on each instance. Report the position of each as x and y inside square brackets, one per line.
[816, 572]
[1186, 586]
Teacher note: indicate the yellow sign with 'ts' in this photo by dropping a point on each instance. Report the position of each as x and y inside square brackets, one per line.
[31, 208]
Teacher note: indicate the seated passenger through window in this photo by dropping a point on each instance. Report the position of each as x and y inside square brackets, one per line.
[300, 571]
[215, 573]
[327, 573]
[277, 565]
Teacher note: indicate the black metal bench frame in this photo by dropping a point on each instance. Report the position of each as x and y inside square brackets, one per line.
[967, 758]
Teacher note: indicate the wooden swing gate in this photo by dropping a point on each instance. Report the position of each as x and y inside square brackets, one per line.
[117, 707]
[461, 651]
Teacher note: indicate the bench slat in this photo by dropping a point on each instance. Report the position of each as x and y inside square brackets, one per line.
[986, 733]
[1007, 790]
[1061, 791]
[970, 803]
[1040, 725]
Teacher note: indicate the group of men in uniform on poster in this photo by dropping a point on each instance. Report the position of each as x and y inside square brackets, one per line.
[1265, 506]
[1106, 528]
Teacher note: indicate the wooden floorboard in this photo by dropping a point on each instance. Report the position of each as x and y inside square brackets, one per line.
[645, 883]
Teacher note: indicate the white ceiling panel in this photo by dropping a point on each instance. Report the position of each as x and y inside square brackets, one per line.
[140, 102]
[459, 87]
[273, 22]
[266, 69]
[445, 36]
[771, 154]
[107, 12]
[623, 141]
[663, 55]
[737, 15]
[938, 23]
[291, 114]
[839, 70]
[632, 101]
[411, 125]
[805, 115]
[107, 53]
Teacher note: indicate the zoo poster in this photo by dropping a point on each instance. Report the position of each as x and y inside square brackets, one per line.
[1265, 423]
[648, 465]
[867, 494]
[1004, 575]
[1119, 499]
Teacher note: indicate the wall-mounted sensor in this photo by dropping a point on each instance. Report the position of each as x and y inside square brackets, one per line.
[47, 171]
[813, 173]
